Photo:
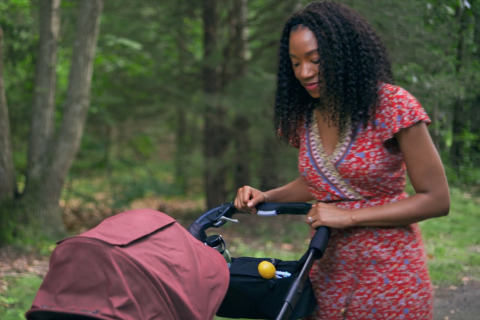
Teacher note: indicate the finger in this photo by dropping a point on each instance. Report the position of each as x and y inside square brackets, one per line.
[237, 202]
[312, 211]
[255, 200]
[258, 198]
[239, 199]
[242, 198]
[246, 195]
[309, 220]
[316, 224]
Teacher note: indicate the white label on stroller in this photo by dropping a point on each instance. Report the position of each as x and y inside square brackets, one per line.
[267, 213]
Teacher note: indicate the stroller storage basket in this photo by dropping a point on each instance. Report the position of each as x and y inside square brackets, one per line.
[253, 297]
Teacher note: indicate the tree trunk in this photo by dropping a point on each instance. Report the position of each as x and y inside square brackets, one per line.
[7, 175]
[242, 148]
[476, 30]
[181, 178]
[458, 108]
[457, 128]
[476, 101]
[269, 171]
[183, 150]
[475, 126]
[43, 195]
[241, 124]
[42, 124]
[215, 132]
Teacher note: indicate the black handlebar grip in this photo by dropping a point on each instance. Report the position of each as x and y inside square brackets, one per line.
[319, 241]
[300, 208]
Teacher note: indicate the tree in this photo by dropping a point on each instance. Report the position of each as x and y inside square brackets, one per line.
[50, 156]
[458, 121]
[241, 123]
[43, 107]
[216, 135]
[7, 177]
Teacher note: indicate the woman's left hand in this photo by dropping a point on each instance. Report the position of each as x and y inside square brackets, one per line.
[329, 215]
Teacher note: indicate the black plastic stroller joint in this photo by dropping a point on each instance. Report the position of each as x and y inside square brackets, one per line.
[212, 218]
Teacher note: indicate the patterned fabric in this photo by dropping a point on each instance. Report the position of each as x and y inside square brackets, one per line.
[368, 272]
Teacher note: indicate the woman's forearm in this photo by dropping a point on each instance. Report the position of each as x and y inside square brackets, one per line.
[416, 208]
[295, 191]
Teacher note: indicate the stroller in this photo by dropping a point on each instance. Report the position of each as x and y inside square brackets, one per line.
[142, 264]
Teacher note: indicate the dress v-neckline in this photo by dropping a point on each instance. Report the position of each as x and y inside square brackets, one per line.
[328, 166]
[342, 142]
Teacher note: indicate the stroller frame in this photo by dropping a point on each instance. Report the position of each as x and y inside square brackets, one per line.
[222, 214]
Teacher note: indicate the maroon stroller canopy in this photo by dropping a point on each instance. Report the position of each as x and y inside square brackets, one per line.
[137, 265]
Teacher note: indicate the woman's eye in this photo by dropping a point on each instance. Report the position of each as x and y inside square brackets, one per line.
[295, 64]
[316, 61]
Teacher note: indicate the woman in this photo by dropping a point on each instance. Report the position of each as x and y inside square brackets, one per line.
[357, 134]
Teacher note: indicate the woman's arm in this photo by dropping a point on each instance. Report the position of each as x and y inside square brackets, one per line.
[425, 169]
[296, 191]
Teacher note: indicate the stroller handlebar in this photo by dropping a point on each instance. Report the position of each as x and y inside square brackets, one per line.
[213, 218]
[274, 208]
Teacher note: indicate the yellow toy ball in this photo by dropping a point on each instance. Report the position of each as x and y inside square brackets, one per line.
[266, 270]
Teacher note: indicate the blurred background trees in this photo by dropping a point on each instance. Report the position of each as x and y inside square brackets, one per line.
[181, 99]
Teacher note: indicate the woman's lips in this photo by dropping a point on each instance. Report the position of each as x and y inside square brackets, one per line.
[311, 86]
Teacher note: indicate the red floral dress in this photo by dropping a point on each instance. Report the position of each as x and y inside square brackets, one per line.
[368, 272]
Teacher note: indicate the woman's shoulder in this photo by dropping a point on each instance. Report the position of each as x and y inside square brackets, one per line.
[390, 95]
[397, 109]
[392, 98]
[390, 92]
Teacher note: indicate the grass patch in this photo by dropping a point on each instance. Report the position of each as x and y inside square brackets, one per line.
[453, 242]
[18, 297]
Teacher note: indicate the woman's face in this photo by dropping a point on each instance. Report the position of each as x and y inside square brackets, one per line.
[303, 49]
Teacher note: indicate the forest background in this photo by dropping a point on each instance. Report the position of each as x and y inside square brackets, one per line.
[106, 106]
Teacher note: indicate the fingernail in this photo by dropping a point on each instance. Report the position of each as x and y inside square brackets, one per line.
[250, 204]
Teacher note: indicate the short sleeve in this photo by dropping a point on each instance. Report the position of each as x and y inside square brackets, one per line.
[398, 110]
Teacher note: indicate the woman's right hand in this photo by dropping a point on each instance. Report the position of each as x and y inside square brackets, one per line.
[247, 198]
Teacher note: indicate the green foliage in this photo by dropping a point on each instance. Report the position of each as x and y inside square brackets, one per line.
[147, 74]
[20, 44]
[18, 297]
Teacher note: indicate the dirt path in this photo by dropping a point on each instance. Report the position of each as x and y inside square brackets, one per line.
[458, 303]
[451, 303]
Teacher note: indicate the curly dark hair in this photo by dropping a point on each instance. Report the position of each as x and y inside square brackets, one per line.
[353, 62]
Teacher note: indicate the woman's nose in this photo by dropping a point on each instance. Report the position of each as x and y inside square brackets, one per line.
[308, 70]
